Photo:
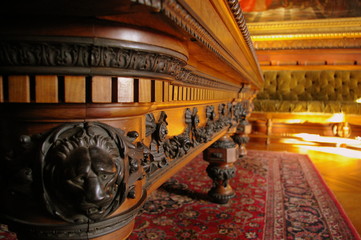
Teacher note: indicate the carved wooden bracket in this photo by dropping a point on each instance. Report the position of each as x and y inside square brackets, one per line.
[164, 149]
[242, 110]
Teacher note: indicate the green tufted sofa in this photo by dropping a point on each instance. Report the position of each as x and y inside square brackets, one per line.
[313, 96]
[310, 91]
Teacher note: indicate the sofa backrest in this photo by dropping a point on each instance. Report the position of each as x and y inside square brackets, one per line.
[324, 85]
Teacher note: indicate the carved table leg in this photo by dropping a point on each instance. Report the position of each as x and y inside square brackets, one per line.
[221, 156]
[269, 130]
[341, 129]
[241, 136]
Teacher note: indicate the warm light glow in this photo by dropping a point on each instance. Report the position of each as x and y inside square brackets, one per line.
[294, 121]
[320, 139]
[296, 142]
[358, 100]
[340, 151]
[310, 142]
[336, 118]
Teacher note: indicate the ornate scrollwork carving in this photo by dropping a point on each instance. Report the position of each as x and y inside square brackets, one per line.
[163, 149]
[225, 115]
[189, 77]
[220, 176]
[177, 146]
[199, 135]
[241, 111]
[75, 55]
[158, 131]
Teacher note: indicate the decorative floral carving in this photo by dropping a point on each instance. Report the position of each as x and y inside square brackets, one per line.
[200, 135]
[241, 111]
[64, 54]
[163, 149]
[189, 77]
[177, 146]
[220, 176]
[74, 55]
[225, 115]
[156, 157]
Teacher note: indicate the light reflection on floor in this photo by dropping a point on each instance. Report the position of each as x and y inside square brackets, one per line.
[342, 146]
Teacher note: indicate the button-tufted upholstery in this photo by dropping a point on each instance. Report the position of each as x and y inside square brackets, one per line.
[310, 91]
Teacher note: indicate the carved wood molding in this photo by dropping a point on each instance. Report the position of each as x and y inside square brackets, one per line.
[165, 152]
[105, 57]
[183, 19]
[75, 56]
[241, 22]
[307, 34]
[307, 41]
[319, 26]
[194, 78]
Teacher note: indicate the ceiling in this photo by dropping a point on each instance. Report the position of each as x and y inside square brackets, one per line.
[305, 34]
[295, 10]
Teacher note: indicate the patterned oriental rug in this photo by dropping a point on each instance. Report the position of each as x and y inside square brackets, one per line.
[279, 196]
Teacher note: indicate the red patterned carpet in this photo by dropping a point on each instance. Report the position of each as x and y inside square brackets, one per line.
[279, 196]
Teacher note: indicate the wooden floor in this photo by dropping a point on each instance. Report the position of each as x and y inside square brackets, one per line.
[341, 170]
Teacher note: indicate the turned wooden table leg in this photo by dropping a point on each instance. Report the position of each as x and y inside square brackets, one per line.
[241, 137]
[341, 129]
[269, 131]
[221, 156]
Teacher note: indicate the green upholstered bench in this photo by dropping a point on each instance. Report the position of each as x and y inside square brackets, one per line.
[313, 96]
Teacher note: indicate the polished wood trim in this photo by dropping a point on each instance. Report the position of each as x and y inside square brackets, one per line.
[144, 90]
[211, 24]
[1, 89]
[125, 90]
[319, 66]
[305, 59]
[75, 89]
[46, 89]
[120, 234]
[19, 88]
[101, 89]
